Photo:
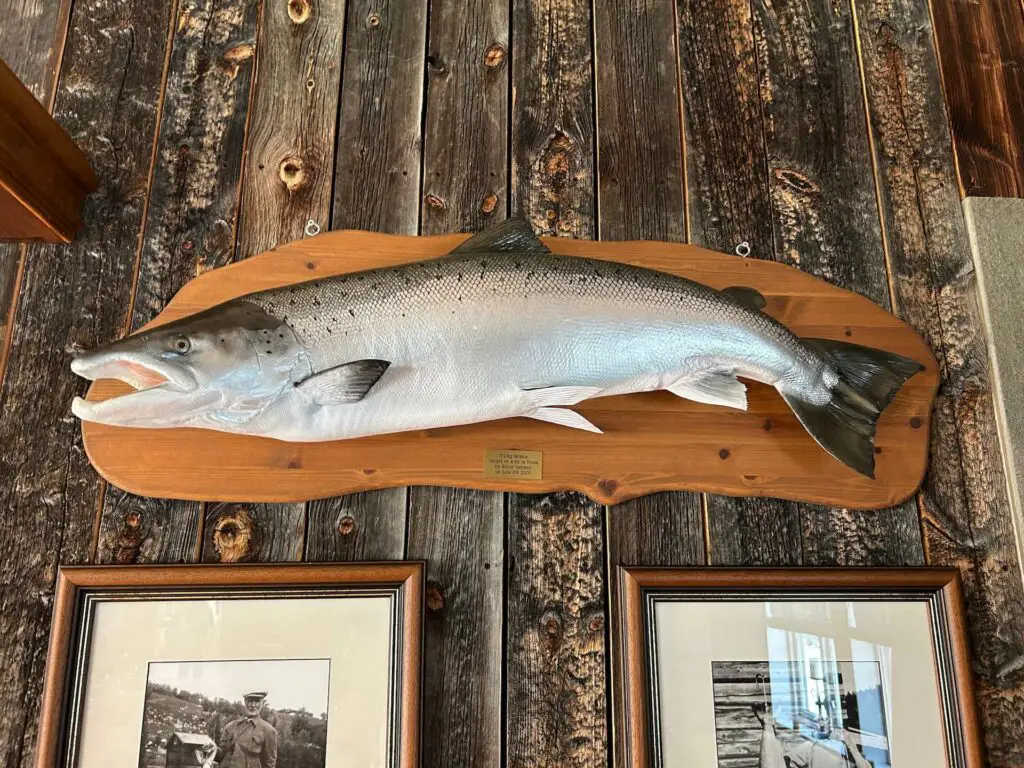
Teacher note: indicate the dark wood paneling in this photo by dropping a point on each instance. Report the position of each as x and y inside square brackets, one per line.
[967, 517]
[360, 526]
[465, 171]
[70, 296]
[32, 39]
[460, 533]
[190, 226]
[377, 180]
[376, 187]
[555, 632]
[729, 204]
[982, 64]
[461, 536]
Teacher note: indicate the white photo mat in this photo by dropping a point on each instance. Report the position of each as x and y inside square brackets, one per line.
[689, 635]
[354, 632]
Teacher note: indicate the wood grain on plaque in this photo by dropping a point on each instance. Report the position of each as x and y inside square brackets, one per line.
[653, 441]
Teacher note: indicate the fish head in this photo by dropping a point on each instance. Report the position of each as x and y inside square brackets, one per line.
[216, 369]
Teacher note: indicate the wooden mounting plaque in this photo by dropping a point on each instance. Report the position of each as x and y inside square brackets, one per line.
[651, 442]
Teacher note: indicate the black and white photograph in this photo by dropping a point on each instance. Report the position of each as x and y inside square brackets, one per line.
[236, 714]
[810, 713]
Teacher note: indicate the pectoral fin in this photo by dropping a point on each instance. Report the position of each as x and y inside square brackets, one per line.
[564, 417]
[343, 384]
[713, 389]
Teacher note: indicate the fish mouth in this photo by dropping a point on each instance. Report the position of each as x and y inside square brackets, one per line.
[140, 372]
[166, 394]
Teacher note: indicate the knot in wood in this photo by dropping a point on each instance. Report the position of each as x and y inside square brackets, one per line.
[293, 173]
[346, 524]
[796, 180]
[373, 20]
[723, 454]
[489, 204]
[234, 534]
[436, 64]
[435, 203]
[299, 11]
[915, 423]
[557, 156]
[596, 624]
[494, 56]
[435, 597]
[608, 485]
[551, 624]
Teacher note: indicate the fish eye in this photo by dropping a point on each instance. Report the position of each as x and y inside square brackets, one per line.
[182, 345]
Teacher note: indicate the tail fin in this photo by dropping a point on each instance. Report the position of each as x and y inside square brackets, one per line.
[868, 381]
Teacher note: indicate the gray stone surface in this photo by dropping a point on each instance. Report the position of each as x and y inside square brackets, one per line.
[995, 227]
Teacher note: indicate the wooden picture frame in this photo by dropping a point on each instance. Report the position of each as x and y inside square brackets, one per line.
[80, 589]
[640, 590]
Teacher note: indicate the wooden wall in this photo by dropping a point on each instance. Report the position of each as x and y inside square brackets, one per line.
[813, 130]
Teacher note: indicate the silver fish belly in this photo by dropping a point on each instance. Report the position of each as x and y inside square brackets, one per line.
[496, 329]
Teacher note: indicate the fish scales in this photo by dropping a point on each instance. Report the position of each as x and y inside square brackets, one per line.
[350, 305]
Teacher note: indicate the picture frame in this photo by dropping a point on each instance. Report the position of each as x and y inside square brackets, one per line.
[729, 667]
[157, 647]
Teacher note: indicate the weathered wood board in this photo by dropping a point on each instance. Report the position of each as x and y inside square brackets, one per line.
[652, 441]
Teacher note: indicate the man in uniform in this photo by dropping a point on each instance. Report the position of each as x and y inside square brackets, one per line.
[248, 742]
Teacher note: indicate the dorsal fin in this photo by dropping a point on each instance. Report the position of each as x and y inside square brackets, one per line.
[513, 234]
[748, 297]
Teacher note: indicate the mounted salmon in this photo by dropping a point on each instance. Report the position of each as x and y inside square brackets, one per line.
[499, 327]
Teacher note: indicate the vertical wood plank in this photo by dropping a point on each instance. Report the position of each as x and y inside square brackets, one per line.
[289, 164]
[461, 536]
[461, 533]
[288, 173]
[189, 226]
[32, 39]
[70, 296]
[967, 516]
[465, 170]
[555, 632]
[377, 181]
[376, 187]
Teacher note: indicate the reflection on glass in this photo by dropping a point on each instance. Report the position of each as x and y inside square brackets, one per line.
[820, 701]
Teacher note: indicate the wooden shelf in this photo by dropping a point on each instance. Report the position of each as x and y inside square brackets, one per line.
[652, 442]
[44, 177]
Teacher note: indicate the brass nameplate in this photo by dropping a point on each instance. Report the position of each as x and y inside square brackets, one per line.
[521, 465]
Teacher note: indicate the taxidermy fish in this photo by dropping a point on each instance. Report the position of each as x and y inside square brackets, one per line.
[499, 327]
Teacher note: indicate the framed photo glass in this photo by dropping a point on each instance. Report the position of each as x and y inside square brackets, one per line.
[235, 667]
[829, 668]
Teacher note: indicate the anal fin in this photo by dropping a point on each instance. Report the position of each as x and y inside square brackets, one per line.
[545, 396]
[564, 417]
[713, 389]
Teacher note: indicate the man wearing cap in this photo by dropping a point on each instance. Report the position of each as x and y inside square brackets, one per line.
[248, 742]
